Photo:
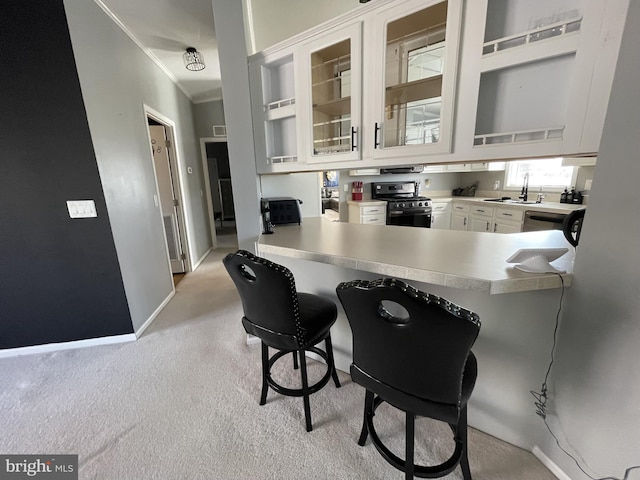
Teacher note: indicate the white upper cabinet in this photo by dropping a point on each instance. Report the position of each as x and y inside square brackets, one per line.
[399, 82]
[330, 95]
[413, 58]
[275, 113]
[537, 70]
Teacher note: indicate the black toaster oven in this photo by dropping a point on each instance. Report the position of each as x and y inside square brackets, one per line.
[283, 210]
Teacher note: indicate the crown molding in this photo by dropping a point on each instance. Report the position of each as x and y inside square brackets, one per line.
[154, 58]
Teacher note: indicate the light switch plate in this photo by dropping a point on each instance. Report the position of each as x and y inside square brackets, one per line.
[81, 208]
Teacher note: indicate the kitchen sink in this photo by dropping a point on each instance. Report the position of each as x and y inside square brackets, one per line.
[509, 200]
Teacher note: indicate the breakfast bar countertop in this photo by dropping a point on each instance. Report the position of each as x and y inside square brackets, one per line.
[464, 260]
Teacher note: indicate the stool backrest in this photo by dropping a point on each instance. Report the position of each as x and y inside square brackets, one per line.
[421, 351]
[269, 297]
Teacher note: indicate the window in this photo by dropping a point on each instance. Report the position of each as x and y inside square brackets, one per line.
[546, 173]
[422, 117]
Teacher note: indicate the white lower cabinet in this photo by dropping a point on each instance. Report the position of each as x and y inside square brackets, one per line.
[481, 219]
[507, 220]
[460, 217]
[505, 227]
[368, 212]
[441, 215]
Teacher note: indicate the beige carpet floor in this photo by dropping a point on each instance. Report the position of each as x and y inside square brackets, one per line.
[182, 403]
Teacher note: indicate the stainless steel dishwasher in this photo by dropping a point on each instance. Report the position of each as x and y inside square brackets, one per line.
[534, 221]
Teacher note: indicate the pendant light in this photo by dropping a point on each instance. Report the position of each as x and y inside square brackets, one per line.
[193, 60]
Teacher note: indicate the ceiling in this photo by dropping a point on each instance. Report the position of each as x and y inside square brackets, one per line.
[164, 29]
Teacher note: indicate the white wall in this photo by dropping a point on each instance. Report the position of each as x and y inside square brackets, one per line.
[304, 186]
[275, 20]
[595, 391]
[206, 115]
[117, 78]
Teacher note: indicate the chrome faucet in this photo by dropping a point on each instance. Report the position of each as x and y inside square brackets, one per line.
[525, 188]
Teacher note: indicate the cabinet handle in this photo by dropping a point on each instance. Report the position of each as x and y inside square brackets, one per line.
[353, 139]
[488, 226]
[465, 221]
[376, 143]
[495, 227]
[507, 214]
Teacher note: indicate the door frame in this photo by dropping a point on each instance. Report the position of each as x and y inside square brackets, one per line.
[207, 183]
[175, 161]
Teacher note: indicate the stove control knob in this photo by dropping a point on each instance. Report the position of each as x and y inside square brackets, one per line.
[411, 204]
[420, 204]
[401, 205]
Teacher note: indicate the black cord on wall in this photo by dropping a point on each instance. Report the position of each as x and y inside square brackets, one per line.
[542, 397]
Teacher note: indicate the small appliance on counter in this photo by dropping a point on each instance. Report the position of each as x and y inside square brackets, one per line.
[280, 210]
[267, 226]
[571, 196]
[356, 190]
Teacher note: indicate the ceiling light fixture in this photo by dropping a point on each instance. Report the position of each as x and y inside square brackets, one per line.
[193, 60]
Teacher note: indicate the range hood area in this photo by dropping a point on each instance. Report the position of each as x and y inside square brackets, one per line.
[408, 169]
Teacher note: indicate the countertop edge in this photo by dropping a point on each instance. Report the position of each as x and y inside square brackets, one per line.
[493, 287]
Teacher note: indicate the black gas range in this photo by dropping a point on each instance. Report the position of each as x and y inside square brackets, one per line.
[404, 206]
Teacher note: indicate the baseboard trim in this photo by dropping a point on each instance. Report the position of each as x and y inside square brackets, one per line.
[197, 264]
[547, 462]
[153, 316]
[54, 347]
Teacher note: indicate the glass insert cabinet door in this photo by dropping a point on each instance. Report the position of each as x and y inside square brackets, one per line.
[418, 80]
[334, 65]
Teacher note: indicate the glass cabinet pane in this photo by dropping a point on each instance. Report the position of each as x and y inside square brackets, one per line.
[414, 63]
[331, 97]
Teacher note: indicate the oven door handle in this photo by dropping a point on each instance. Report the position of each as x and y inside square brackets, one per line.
[544, 218]
[397, 213]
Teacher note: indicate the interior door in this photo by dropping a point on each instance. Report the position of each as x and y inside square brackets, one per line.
[168, 200]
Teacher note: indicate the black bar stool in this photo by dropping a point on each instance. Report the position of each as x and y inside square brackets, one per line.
[413, 351]
[284, 319]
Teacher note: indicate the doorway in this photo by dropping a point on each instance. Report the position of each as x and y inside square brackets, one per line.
[217, 173]
[165, 164]
[330, 196]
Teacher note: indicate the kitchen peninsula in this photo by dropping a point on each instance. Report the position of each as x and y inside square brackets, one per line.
[517, 309]
[466, 260]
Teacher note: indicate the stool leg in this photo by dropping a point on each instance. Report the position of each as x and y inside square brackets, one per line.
[409, 442]
[462, 434]
[305, 390]
[265, 373]
[295, 360]
[368, 411]
[332, 365]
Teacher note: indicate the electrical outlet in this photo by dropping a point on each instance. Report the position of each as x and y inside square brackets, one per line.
[427, 182]
[345, 187]
[81, 208]
[496, 185]
[588, 183]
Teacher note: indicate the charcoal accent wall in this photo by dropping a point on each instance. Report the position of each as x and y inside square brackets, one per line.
[60, 277]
